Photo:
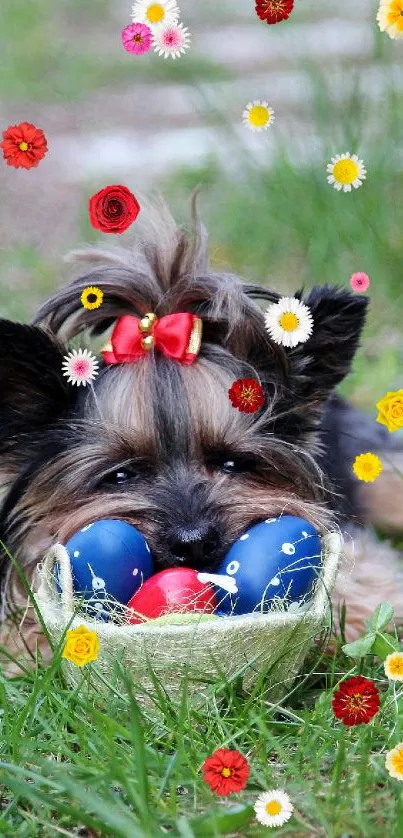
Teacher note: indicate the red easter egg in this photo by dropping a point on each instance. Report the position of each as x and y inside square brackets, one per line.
[174, 590]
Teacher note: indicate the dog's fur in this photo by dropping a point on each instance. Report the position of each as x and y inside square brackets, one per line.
[153, 442]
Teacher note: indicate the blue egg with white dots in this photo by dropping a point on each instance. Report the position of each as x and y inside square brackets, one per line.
[109, 558]
[280, 557]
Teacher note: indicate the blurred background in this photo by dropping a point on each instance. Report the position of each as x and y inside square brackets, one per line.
[336, 85]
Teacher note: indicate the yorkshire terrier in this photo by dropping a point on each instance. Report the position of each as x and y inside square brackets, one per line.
[157, 443]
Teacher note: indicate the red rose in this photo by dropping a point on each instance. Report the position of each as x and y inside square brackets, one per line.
[226, 771]
[113, 209]
[272, 11]
[23, 145]
[356, 701]
[247, 395]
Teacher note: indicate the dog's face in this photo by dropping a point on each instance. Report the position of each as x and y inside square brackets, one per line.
[159, 444]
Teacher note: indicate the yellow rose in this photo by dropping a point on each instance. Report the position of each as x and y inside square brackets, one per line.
[82, 646]
[391, 410]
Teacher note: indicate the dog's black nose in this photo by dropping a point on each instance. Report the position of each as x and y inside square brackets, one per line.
[194, 547]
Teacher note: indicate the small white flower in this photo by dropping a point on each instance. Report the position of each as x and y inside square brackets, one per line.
[345, 171]
[390, 18]
[258, 115]
[394, 762]
[80, 367]
[171, 41]
[289, 321]
[393, 666]
[155, 13]
[273, 808]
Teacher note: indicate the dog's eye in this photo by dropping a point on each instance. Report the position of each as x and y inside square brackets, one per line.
[118, 477]
[229, 466]
[237, 465]
[122, 476]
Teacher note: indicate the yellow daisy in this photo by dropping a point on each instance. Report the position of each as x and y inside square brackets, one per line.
[345, 171]
[394, 762]
[390, 17]
[367, 467]
[258, 115]
[394, 666]
[92, 297]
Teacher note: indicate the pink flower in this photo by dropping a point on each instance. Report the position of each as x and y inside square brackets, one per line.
[137, 38]
[80, 367]
[359, 282]
[171, 41]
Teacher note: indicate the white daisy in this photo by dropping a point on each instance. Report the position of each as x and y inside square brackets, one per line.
[390, 18]
[171, 41]
[289, 321]
[155, 13]
[345, 171]
[273, 808]
[393, 666]
[258, 115]
[80, 367]
[394, 762]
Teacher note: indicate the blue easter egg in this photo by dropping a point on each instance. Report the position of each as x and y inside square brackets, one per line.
[109, 558]
[279, 557]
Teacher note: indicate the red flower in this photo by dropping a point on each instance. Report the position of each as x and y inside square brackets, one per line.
[272, 11]
[113, 209]
[247, 395]
[226, 771]
[356, 701]
[23, 145]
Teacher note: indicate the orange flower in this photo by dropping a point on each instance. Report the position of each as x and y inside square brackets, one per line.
[82, 646]
[23, 145]
[391, 410]
[226, 771]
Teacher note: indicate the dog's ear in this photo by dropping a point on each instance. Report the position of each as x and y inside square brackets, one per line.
[314, 368]
[320, 364]
[33, 391]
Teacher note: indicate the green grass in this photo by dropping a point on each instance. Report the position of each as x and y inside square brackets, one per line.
[34, 272]
[69, 759]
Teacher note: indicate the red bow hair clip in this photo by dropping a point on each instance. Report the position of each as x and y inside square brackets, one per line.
[177, 336]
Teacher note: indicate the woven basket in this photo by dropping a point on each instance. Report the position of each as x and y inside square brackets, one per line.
[275, 643]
